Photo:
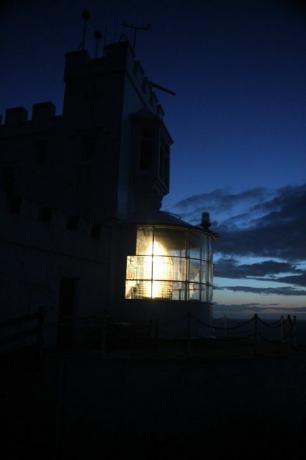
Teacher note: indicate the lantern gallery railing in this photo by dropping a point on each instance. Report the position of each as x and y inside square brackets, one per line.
[171, 263]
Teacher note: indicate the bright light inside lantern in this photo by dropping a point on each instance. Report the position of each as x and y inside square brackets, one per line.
[162, 267]
[169, 264]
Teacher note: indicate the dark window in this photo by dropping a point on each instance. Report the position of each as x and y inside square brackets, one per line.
[8, 181]
[41, 152]
[72, 223]
[96, 231]
[46, 215]
[88, 148]
[15, 204]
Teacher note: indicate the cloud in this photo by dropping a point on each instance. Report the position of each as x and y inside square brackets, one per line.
[230, 268]
[219, 199]
[255, 222]
[280, 233]
[269, 270]
[298, 280]
[222, 204]
[286, 291]
[247, 309]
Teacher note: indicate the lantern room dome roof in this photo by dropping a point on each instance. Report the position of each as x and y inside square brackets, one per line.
[164, 218]
[158, 218]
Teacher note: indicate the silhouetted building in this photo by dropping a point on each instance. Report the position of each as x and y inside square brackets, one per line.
[81, 230]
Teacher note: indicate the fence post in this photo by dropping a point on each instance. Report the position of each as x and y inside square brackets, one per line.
[40, 331]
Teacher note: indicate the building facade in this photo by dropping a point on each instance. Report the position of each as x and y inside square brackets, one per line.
[80, 194]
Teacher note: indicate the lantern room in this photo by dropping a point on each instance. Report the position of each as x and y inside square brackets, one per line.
[166, 268]
[171, 263]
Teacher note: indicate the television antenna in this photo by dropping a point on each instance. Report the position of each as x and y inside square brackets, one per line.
[136, 29]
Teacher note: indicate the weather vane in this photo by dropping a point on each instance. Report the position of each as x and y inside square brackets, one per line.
[136, 29]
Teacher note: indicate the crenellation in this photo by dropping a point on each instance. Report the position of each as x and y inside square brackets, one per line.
[43, 112]
[16, 116]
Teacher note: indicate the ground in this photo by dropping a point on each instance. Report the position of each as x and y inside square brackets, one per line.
[157, 405]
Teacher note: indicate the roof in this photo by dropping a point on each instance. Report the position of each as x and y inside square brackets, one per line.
[164, 218]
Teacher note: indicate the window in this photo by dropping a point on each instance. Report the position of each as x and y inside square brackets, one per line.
[168, 265]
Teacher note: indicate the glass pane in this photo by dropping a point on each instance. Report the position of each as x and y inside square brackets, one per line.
[139, 267]
[209, 245]
[204, 272]
[179, 269]
[162, 268]
[178, 291]
[169, 242]
[144, 244]
[162, 290]
[137, 289]
[194, 270]
[210, 273]
[204, 293]
[194, 291]
[195, 244]
[204, 255]
[209, 293]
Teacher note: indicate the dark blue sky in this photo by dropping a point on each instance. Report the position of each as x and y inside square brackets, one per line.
[238, 119]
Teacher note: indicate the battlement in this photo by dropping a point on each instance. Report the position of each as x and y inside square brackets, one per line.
[43, 115]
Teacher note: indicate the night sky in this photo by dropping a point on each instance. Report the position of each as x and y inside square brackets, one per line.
[238, 121]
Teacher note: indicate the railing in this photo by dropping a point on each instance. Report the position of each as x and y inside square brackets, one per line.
[16, 332]
[255, 326]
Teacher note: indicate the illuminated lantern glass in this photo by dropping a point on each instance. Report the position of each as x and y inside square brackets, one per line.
[171, 263]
